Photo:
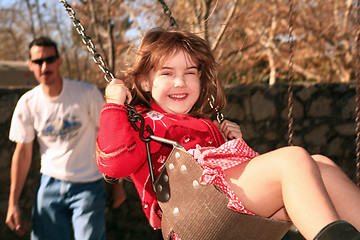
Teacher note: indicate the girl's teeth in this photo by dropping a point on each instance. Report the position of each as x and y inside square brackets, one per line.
[178, 96]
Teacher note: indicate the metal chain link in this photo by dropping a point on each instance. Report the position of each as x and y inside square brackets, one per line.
[98, 59]
[357, 97]
[167, 12]
[290, 77]
[219, 116]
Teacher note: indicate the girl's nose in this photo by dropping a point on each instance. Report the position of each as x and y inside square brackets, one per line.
[180, 81]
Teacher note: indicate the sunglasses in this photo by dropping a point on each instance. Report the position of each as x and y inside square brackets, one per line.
[47, 60]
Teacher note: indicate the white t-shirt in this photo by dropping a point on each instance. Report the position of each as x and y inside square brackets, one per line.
[66, 129]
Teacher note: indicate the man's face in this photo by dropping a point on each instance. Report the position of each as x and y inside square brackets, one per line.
[44, 64]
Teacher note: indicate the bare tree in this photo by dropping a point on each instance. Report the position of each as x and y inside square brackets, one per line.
[14, 29]
[250, 39]
[30, 10]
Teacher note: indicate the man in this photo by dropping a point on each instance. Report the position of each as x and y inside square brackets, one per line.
[63, 115]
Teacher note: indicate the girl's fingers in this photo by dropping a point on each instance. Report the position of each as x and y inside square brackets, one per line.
[117, 92]
[230, 129]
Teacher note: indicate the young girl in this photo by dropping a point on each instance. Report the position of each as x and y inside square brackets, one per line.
[173, 76]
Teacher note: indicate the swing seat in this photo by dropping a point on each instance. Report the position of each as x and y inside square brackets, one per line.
[196, 212]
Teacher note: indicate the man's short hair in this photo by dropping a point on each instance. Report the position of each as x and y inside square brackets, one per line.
[44, 42]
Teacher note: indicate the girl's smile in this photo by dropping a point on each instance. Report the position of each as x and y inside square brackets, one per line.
[178, 96]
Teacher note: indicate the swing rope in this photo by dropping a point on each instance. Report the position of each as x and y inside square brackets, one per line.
[357, 98]
[290, 76]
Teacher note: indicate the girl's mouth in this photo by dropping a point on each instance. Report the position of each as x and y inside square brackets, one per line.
[178, 96]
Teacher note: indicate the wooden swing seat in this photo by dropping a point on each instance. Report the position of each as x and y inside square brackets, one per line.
[195, 211]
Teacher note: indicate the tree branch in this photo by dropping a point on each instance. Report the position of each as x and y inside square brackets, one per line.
[224, 26]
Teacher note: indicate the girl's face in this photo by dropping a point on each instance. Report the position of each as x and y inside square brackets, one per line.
[175, 87]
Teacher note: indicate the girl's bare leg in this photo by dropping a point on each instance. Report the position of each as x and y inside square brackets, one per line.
[287, 177]
[344, 194]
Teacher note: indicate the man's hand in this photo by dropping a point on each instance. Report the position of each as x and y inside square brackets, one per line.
[13, 220]
[118, 195]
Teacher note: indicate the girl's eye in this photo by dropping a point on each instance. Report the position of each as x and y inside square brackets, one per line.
[166, 74]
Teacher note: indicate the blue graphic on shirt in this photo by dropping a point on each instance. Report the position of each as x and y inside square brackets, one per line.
[61, 128]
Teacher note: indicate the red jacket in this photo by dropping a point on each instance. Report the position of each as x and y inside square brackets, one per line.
[121, 152]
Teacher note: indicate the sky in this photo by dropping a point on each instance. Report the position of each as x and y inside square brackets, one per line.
[131, 34]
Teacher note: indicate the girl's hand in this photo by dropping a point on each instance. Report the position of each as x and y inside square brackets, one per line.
[230, 130]
[117, 92]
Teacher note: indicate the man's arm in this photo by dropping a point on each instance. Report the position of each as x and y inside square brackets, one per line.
[20, 166]
[118, 194]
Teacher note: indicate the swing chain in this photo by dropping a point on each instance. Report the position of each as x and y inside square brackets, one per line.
[290, 77]
[219, 115]
[167, 12]
[97, 58]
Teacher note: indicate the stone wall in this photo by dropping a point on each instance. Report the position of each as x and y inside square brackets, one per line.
[323, 115]
[323, 123]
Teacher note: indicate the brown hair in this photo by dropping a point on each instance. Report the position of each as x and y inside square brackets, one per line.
[153, 51]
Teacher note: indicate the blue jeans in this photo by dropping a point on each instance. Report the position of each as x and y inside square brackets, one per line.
[61, 208]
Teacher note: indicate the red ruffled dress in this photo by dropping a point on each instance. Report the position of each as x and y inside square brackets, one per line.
[121, 153]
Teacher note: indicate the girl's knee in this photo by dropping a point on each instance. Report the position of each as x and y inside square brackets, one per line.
[295, 157]
[323, 159]
[295, 153]
[297, 150]
[325, 164]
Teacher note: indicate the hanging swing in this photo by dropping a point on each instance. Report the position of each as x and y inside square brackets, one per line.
[188, 206]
